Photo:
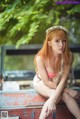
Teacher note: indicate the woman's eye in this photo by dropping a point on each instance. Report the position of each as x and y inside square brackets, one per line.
[57, 40]
[64, 41]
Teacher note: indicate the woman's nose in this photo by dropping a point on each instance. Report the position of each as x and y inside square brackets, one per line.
[61, 43]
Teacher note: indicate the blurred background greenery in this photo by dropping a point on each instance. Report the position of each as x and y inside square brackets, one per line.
[25, 22]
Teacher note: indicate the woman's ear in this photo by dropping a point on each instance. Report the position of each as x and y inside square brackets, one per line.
[49, 43]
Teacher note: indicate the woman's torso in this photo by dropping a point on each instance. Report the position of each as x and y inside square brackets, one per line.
[51, 73]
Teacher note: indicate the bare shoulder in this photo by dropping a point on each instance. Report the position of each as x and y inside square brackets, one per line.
[40, 63]
[68, 66]
[39, 60]
[71, 57]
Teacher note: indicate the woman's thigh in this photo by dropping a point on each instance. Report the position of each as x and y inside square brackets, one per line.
[42, 89]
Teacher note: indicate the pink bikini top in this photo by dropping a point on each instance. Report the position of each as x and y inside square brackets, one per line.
[51, 75]
[55, 76]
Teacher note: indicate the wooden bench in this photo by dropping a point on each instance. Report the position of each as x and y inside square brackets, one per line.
[27, 104]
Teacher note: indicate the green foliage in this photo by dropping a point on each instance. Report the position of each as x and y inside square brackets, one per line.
[26, 38]
[22, 21]
[75, 9]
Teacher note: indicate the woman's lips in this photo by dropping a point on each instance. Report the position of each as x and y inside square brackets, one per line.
[61, 49]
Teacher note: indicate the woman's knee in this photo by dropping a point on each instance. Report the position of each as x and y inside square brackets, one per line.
[71, 92]
[65, 96]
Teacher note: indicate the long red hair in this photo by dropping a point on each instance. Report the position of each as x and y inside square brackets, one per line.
[46, 51]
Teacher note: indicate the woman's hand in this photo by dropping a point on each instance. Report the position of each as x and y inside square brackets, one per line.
[50, 106]
[47, 109]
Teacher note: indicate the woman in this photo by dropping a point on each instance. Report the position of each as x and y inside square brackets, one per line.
[53, 64]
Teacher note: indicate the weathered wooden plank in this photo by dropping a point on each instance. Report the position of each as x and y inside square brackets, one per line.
[17, 117]
[28, 104]
[20, 99]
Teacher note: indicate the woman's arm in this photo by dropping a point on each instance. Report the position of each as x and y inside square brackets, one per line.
[61, 84]
[43, 73]
[63, 81]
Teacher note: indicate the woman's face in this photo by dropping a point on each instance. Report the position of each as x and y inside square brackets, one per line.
[58, 44]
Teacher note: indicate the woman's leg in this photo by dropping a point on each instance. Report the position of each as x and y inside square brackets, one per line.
[49, 105]
[71, 92]
[75, 94]
[71, 104]
[67, 98]
[69, 101]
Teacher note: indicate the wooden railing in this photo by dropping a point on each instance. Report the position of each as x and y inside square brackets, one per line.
[28, 50]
